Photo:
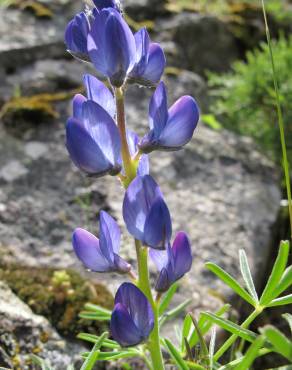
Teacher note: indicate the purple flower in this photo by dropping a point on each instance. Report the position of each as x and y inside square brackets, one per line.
[101, 4]
[172, 263]
[132, 318]
[76, 35]
[150, 60]
[143, 165]
[146, 214]
[100, 255]
[173, 128]
[111, 46]
[93, 139]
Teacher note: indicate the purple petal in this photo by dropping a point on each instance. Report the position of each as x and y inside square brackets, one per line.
[103, 130]
[87, 249]
[99, 93]
[183, 119]
[156, 64]
[138, 307]
[77, 103]
[157, 230]
[110, 235]
[158, 113]
[122, 327]
[132, 140]
[121, 265]
[182, 254]
[143, 166]
[159, 257]
[163, 282]
[76, 34]
[120, 48]
[142, 41]
[84, 151]
[139, 197]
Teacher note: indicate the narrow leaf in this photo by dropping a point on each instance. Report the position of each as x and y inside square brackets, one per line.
[176, 356]
[94, 316]
[287, 299]
[231, 282]
[285, 282]
[212, 347]
[245, 271]
[93, 355]
[97, 309]
[167, 298]
[94, 338]
[185, 330]
[203, 346]
[288, 318]
[251, 354]
[175, 311]
[277, 272]
[279, 341]
[231, 327]
[205, 325]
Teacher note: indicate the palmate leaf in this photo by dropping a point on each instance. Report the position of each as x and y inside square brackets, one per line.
[251, 354]
[279, 341]
[246, 274]
[276, 274]
[94, 353]
[230, 326]
[175, 355]
[231, 282]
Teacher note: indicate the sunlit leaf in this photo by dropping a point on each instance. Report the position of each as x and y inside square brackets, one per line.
[93, 355]
[176, 356]
[231, 282]
[246, 274]
[174, 312]
[285, 282]
[287, 299]
[279, 341]
[97, 309]
[231, 327]
[212, 347]
[185, 330]
[94, 338]
[277, 272]
[288, 318]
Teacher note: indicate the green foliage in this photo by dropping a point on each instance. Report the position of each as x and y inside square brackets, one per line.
[58, 295]
[244, 99]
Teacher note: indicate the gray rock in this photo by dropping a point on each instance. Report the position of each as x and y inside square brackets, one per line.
[12, 170]
[144, 9]
[23, 333]
[35, 149]
[201, 42]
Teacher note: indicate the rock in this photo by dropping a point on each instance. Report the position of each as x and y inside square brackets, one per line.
[202, 42]
[144, 9]
[12, 170]
[23, 333]
[35, 149]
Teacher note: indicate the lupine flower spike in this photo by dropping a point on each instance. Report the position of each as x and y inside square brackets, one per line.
[101, 255]
[146, 214]
[132, 318]
[173, 263]
[169, 129]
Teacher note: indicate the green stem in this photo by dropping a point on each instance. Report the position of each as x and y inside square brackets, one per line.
[233, 337]
[144, 285]
[280, 119]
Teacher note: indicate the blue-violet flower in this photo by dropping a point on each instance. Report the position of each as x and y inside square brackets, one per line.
[146, 214]
[100, 255]
[132, 319]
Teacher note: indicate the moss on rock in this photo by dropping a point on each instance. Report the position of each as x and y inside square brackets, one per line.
[59, 295]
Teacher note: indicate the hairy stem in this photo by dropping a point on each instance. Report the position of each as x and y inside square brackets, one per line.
[144, 285]
[280, 119]
[233, 337]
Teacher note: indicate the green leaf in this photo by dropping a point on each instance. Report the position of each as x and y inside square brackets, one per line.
[94, 338]
[41, 362]
[70, 367]
[176, 356]
[94, 316]
[285, 282]
[174, 312]
[211, 121]
[187, 324]
[288, 318]
[251, 354]
[105, 356]
[212, 347]
[97, 309]
[231, 327]
[231, 282]
[277, 272]
[203, 347]
[93, 355]
[167, 298]
[245, 271]
[287, 299]
[205, 325]
[279, 341]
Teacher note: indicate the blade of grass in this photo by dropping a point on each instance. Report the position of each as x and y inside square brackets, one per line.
[280, 118]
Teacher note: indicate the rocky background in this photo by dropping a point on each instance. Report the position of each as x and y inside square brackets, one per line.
[220, 189]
